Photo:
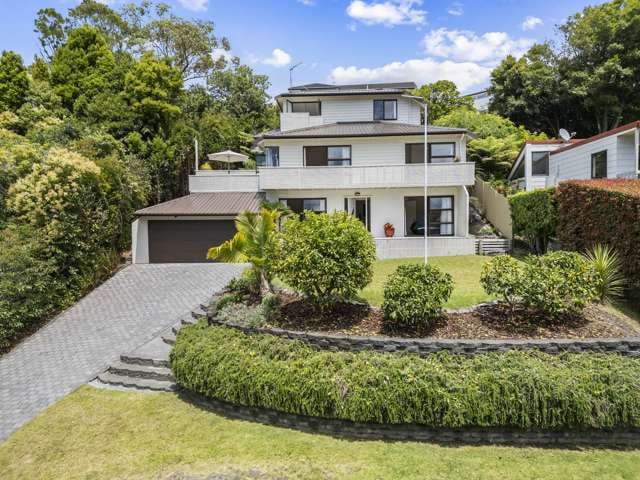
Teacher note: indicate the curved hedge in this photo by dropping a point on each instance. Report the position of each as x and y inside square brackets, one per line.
[515, 389]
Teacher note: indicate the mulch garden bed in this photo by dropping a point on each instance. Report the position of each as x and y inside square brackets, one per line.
[493, 321]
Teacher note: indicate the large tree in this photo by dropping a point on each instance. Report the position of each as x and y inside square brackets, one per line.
[442, 97]
[14, 82]
[82, 68]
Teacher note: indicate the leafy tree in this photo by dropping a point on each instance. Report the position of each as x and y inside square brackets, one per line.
[530, 91]
[14, 82]
[152, 88]
[82, 68]
[243, 94]
[252, 243]
[119, 33]
[442, 97]
[51, 29]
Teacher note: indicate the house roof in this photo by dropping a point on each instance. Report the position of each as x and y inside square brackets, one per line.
[207, 203]
[362, 129]
[321, 89]
[608, 133]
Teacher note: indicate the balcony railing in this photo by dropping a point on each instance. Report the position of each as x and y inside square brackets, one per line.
[374, 176]
[223, 181]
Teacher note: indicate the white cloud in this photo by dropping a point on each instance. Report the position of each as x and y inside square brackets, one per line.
[423, 70]
[465, 46]
[531, 22]
[388, 13]
[456, 9]
[278, 58]
[307, 3]
[195, 5]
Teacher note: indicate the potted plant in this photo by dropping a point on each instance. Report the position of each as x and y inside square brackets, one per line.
[389, 230]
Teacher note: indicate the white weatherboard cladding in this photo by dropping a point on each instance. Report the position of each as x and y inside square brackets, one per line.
[364, 151]
[359, 108]
[575, 163]
[387, 205]
[626, 159]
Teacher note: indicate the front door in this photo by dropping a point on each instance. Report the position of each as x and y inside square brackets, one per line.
[360, 208]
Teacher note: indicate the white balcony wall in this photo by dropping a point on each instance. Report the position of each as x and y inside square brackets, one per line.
[384, 176]
[293, 121]
[364, 151]
[221, 181]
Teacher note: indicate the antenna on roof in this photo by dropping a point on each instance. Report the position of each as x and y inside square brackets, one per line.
[565, 135]
[291, 73]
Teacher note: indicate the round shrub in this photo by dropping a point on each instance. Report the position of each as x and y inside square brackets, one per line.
[514, 389]
[503, 277]
[325, 256]
[559, 283]
[414, 294]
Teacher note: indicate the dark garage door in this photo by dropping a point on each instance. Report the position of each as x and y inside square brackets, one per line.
[186, 241]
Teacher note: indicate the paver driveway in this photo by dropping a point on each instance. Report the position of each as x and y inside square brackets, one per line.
[126, 311]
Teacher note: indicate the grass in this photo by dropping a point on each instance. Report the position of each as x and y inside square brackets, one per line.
[102, 434]
[465, 271]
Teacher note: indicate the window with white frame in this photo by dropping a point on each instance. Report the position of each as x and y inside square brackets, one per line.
[385, 109]
[599, 165]
[540, 163]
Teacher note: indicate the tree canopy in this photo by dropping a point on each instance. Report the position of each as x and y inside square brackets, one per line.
[441, 98]
[14, 83]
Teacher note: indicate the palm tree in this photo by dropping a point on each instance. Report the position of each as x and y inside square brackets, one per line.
[255, 234]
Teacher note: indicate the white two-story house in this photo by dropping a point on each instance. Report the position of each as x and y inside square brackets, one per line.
[358, 148]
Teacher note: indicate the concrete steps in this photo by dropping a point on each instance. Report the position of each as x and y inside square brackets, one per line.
[147, 368]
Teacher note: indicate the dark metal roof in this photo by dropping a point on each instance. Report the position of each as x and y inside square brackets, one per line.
[321, 89]
[362, 129]
[209, 203]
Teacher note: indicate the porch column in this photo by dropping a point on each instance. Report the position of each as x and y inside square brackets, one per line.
[462, 206]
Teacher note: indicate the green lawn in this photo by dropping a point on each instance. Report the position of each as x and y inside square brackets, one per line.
[465, 271]
[102, 434]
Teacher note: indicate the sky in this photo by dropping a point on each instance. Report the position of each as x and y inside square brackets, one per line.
[350, 41]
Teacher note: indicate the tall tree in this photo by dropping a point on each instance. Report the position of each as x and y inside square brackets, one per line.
[50, 26]
[241, 93]
[82, 68]
[442, 97]
[14, 82]
[119, 33]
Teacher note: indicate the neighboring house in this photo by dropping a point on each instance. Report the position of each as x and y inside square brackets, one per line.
[358, 148]
[612, 154]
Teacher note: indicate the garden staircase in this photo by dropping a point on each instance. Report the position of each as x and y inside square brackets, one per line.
[147, 368]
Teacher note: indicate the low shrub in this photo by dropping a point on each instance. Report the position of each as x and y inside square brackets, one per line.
[414, 295]
[556, 283]
[325, 256]
[503, 277]
[534, 216]
[242, 314]
[270, 306]
[529, 390]
[246, 284]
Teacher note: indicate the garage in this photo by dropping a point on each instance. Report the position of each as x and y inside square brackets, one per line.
[183, 229]
[186, 241]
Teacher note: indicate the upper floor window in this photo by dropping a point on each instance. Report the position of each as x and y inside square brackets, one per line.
[519, 171]
[385, 109]
[540, 163]
[301, 205]
[599, 165]
[270, 157]
[331, 156]
[312, 108]
[438, 152]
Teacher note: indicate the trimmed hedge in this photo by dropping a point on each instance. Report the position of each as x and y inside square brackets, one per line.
[603, 212]
[516, 389]
[534, 216]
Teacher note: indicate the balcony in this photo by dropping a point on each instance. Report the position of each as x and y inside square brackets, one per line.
[378, 176]
[223, 181]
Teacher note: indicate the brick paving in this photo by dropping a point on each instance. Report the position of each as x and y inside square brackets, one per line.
[128, 310]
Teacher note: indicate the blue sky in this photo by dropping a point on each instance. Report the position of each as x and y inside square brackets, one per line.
[348, 41]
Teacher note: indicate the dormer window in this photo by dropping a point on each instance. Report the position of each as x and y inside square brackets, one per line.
[385, 109]
[312, 108]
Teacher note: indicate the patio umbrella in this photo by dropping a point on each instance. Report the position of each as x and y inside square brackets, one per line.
[228, 157]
